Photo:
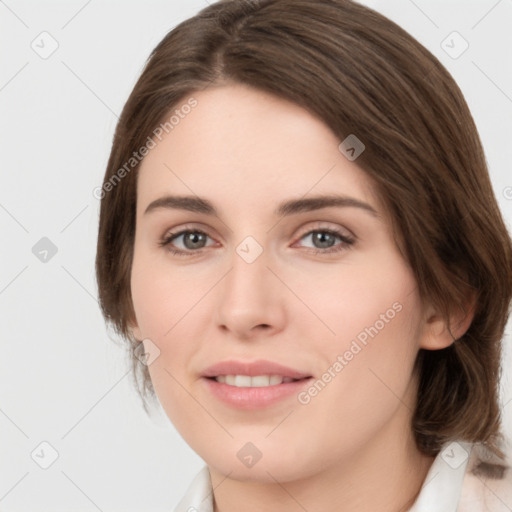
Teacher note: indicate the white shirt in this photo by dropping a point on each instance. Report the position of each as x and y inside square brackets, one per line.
[450, 485]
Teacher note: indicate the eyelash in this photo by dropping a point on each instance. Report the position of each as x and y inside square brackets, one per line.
[347, 241]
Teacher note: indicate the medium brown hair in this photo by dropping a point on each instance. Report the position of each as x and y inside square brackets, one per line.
[361, 74]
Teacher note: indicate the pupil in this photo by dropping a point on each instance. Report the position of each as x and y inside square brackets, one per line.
[193, 237]
[321, 237]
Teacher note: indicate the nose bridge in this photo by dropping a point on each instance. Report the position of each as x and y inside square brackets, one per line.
[248, 279]
[249, 295]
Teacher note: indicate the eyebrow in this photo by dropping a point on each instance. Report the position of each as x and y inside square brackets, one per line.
[200, 205]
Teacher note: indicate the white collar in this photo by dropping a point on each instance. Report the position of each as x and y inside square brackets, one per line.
[440, 491]
[442, 486]
[199, 495]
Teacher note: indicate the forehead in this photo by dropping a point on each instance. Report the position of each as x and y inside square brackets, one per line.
[246, 147]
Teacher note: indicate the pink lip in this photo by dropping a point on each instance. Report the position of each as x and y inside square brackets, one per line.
[249, 398]
[260, 367]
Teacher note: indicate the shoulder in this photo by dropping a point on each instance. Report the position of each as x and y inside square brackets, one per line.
[487, 485]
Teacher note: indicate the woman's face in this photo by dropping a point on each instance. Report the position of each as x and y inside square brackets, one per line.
[319, 289]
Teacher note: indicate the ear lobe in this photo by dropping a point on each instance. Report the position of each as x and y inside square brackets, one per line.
[439, 334]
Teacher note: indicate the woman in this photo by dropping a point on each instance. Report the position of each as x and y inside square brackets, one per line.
[299, 239]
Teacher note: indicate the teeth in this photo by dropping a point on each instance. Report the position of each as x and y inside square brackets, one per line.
[277, 379]
[258, 381]
[241, 381]
[261, 381]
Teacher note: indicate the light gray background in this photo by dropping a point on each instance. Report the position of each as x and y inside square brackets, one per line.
[62, 379]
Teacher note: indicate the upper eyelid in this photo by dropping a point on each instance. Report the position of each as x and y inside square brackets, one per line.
[316, 225]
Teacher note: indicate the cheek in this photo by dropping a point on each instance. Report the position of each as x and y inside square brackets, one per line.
[375, 312]
[375, 299]
[164, 306]
[364, 377]
[169, 307]
[161, 295]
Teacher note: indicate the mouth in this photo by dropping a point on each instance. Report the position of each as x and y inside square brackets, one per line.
[257, 381]
[253, 385]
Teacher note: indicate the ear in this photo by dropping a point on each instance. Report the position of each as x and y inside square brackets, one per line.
[438, 334]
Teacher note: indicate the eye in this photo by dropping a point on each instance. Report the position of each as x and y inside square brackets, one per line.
[325, 238]
[192, 243]
[194, 240]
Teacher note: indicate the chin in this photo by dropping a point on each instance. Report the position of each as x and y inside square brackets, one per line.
[269, 468]
[263, 473]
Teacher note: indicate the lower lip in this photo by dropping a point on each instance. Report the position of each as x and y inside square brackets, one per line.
[254, 397]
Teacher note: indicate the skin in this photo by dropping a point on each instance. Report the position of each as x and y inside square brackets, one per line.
[246, 151]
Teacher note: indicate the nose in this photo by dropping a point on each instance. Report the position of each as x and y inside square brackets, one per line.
[251, 299]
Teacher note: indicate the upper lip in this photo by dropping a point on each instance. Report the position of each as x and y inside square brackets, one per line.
[252, 368]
